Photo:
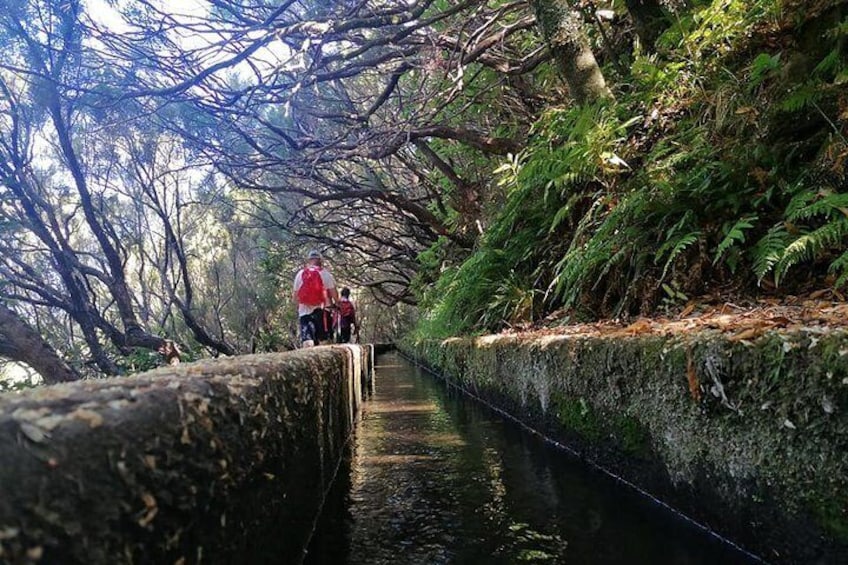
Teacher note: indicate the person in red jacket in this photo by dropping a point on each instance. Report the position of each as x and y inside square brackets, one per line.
[314, 289]
[347, 318]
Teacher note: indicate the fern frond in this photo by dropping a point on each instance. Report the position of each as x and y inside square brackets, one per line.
[839, 267]
[829, 64]
[568, 179]
[596, 245]
[761, 67]
[564, 212]
[810, 205]
[680, 245]
[681, 228]
[808, 246]
[802, 97]
[608, 265]
[769, 249]
[736, 234]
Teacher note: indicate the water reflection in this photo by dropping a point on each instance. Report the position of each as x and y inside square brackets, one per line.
[436, 478]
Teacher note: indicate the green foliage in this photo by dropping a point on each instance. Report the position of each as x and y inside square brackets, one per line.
[502, 283]
[714, 30]
[9, 385]
[839, 267]
[804, 96]
[140, 360]
[605, 240]
[677, 246]
[814, 225]
[672, 78]
[810, 245]
[678, 238]
[769, 249]
[693, 177]
[457, 301]
[763, 67]
[734, 236]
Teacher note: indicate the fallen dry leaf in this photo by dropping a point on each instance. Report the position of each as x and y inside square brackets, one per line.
[692, 377]
[750, 333]
[152, 509]
[688, 310]
[93, 419]
[742, 320]
[148, 517]
[148, 499]
[638, 327]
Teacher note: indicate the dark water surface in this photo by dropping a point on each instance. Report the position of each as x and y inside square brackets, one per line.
[435, 478]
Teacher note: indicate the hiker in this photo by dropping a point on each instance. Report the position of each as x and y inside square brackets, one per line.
[347, 318]
[314, 288]
[170, 351]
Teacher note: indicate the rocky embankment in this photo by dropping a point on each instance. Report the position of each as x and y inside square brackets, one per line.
[739, 422]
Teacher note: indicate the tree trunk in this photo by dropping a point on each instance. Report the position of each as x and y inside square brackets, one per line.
[649, 20]
[562, 28]
[20, 342]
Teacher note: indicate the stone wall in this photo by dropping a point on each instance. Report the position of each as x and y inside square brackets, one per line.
[750, 438]
[215, 461]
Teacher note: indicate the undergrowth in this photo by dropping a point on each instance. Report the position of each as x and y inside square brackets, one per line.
[722, 162]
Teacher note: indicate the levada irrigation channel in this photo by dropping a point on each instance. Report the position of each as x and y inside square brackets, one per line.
[435, 477]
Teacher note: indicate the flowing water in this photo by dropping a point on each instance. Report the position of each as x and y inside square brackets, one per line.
[435, 477]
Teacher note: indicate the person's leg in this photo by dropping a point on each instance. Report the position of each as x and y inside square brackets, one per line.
[307, 331]
[345, 335]
[318, 321]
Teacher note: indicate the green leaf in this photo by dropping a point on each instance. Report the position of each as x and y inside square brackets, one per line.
[678, 247]
[733, 236]
[769, 249]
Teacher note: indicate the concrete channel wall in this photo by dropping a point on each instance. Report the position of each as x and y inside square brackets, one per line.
[222, 461]
[750, 438]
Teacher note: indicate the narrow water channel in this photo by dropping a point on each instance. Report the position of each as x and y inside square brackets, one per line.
[435, 477]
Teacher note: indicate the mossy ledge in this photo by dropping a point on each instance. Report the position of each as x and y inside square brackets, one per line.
[750, 438]
[215, 461]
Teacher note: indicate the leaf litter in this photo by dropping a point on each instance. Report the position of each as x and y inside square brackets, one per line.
[741, 322]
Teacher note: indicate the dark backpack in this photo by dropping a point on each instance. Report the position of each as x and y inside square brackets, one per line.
[346, 313]
[311, 291]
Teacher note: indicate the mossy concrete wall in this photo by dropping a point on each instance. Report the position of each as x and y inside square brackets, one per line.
[215, 461]
[749, 437]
